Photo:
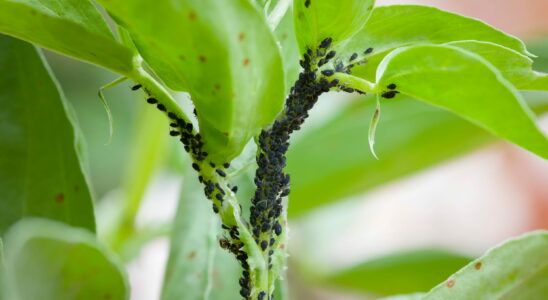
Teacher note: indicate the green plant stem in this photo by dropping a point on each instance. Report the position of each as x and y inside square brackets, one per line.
[356, 82]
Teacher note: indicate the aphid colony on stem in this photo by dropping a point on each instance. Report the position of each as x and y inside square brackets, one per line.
[272, 184]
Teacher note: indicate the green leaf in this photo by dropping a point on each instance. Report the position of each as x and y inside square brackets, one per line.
[515, 67]
[516, 269]
[40, 172]
[198, 269]
[222, 52]
[466, 84]
[71, 27]
[316, 20]
[52, 261]
[391, 27]
[285, 34]
[411, 136]
[406, 272]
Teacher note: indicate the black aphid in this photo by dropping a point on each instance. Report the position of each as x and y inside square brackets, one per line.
[219, 197]
[174, 133]
[391, 86]
[226, 165]
[196, 167]
[368, 50]
[328, 72]
[220, 172]
[152, 100]
[235, 189]
[353, 56]
[215, 209]
[264, 245]
[161, 107]
[136, 87]
[330, 55]
[261, 295]
[277, 228]
[212, 165]
[307, 3]
[389, 94]
[172, 115]
[326, 43]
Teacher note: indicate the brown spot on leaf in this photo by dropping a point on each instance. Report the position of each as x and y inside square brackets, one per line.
[217, 86]
[191, 255]
[107, 297]
[192, 16]
[182, 57]
[282, 246]
[241, 36]
[76, 188]
[478, 265]
[225, 133]
[284, 36]
[60, 198]
[450, 283]
[246, 62]
[202, 58]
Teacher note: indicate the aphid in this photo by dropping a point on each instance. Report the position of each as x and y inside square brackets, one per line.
[389, 94]
[335, 82]
[224, 243]
[339, 67]
[307, 3]
[277, 228]
[224, 226]
[196, 167]
[368, 50]
[326, 43]
[220, 172]
[261, 295]
[189, 126]
[391, 86]
[362, 62]
[136, 87]
[215, 209]
[235, 189]
[243, 282]
[212, 164]
[195, 112]
[173, 124]
[331, 54]
[161, 107]
[152, 100]
[353, 56]
[264, 245]
[200, 178]
[174, 133]
[226, 165]
[272, 241]
[172, 115]
[205, 154]
[321, 62]
[244, 292]
[270, 266]
[219, 197]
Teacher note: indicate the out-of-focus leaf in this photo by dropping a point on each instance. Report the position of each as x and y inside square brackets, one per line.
[71, 27]
[516, 269]
[40, 173]
[316, 20]
[514, 66]
[198, 269]
[49, 260]
[390, 27]
[407, 272]
[332, 161]
[285, 34]
[222, 52]
[466, 84]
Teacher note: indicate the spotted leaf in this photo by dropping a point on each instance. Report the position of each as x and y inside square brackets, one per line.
[222, 52]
